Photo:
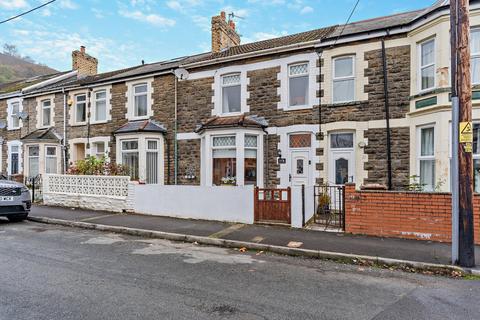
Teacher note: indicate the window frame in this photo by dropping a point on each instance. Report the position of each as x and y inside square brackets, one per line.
[137, 151]
[222, 86]
[94, 103]
[419, 156]
[157, 151]
[338, 79]
[95, 152]
[11, 116]
[475, 55]
[42, 107]
[19, 153]
[421, 67]
[29, 157]
[134, 95]
[289, 76]
[76, 104]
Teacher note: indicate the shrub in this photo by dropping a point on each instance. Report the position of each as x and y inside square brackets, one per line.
[97, 166]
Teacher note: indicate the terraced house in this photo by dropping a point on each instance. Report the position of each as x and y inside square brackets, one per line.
[307, 108]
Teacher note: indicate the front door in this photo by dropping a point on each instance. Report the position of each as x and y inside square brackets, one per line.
[341, 158]
[299, 168]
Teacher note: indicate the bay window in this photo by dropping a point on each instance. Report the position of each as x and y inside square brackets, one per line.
[298, 84]
[33, 161]
[80, 108]
[427, 64]
[251, 145]
[46, 112]
[231, 93]
[140, 92]
[50, 159]
[100, 106]
[129, 150]
[475, 52]
[343, 79]
[224, 154]
[426, 157]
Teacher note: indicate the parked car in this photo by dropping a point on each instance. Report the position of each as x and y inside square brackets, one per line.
[15, 200]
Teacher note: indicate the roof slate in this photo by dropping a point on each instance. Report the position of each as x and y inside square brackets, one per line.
[43, 134]
[17, 85]
[234, 121]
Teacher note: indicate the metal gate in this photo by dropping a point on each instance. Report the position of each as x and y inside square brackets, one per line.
[35, 186]
[273, 205]
[330, 206]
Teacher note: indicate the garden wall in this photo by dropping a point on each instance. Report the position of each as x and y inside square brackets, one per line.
[412, 215]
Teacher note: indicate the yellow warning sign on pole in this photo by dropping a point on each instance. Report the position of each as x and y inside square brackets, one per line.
[466, 132]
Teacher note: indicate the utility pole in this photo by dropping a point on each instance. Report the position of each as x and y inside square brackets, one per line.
[462, 184]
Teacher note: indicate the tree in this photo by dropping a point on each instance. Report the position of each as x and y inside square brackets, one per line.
[10, 49]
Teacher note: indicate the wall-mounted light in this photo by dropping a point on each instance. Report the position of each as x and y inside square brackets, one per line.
[279, 153]
[362, 144]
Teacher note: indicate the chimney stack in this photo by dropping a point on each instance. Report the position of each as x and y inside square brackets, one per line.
[84, 63]
[224, 34]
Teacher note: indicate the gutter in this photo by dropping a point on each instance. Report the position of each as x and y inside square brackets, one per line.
[50, 81]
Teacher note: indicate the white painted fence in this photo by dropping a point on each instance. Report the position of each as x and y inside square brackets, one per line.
[109, 193]
[233, 204]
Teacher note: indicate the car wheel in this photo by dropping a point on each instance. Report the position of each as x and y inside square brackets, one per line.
[17, 217]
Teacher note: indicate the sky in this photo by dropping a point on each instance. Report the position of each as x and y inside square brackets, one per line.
[122, 33]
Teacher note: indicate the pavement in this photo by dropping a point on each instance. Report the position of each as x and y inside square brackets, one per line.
[52, 272]
[279, 236]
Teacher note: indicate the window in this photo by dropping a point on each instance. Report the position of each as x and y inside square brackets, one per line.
[130, 157]
[426, 159]
[152, 162]
[298, 84]
[14, 160]
[33, 163]
[427, 65]
[140, 100]
[476, 157]
[251, 145]
[100, 106]
[80, 108]
[14, 115]
[224, 154]
[231, 93]
[98, 149]
[50, 159]
[341, 140]
[46, 113]
[475, 49]
[303, 140]
[343, 79]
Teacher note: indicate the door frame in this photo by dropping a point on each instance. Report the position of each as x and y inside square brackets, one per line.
[310, 162]
[331, 151]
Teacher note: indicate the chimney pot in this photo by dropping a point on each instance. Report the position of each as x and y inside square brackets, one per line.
[222, 14]
[224, 34]
[85, 64]
[82, 49]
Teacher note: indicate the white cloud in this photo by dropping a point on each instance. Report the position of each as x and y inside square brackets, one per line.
[13, 4]
[68, 4]
[267, 2]
[151, 18]
[203, 22]
[259, 36]
[98, 13]
[306, 9]
[46, 12]
[174, 5]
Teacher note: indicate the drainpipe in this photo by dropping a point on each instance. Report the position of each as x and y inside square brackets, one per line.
[65, 150]
[175, 145]
[265, 154]
[387, 115]
[89, 95]
[320, 54]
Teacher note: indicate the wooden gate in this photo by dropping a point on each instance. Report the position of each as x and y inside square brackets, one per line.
[273, 205]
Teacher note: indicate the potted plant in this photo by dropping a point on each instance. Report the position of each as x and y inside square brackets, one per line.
[229, 181]
[324, 203]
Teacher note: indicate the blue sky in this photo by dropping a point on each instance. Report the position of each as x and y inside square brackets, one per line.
[120, 33]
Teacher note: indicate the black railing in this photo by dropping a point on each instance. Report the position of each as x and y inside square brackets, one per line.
[35, 185]
[330, 206]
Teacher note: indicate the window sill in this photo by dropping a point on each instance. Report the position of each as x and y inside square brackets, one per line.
[302, 107]
[138, 118]
[343, 104]
[78, 124]
[231, 114]
[12, 129]
[99, 122]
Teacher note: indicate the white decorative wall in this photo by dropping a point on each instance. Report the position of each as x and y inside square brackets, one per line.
[104, 193]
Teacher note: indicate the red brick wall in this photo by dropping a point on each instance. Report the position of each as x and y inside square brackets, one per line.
[412, 215]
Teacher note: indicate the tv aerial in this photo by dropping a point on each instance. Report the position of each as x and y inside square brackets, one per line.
[3, 124]
[23, 115]
[232, 15]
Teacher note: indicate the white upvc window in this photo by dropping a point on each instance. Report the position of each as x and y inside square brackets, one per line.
[46, 112]
[152, 156]
[251, 163]
[298, 84]
[427, 65]
[475, 52]
[98, 149]
[51, 160]
[426, 157]
[140, 100]
[14, 107]
[231, 93]
[130, 157]
[80, 108]
[99, 110]
[344, 79]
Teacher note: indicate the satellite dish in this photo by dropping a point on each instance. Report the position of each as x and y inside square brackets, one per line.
[181, 74]
[23, 115]
[3, 124]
